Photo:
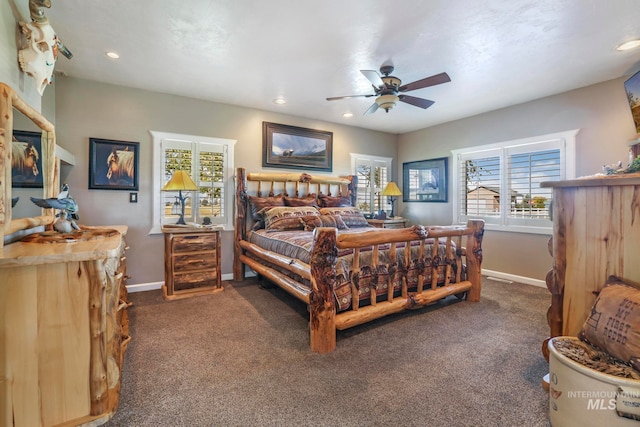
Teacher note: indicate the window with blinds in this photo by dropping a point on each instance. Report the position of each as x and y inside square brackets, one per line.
[373, 175]
[500, 183]
[205, 163]
[209, 162]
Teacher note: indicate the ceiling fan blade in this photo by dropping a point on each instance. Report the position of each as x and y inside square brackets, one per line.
[373, 77]
[372, 109]
[335, 98]
[418, 102]
[426, 82]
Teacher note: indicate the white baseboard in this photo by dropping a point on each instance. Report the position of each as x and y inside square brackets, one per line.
[142, 287]
[514, 278]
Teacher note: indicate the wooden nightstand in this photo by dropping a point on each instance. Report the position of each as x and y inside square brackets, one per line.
[191, 262]
[388, 223]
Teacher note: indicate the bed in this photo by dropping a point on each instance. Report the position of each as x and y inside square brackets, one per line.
[347, 272]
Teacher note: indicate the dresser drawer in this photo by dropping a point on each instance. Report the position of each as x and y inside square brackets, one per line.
[194, 242]
[195, 261]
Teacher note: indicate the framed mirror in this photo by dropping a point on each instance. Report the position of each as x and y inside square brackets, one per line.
[10, 104]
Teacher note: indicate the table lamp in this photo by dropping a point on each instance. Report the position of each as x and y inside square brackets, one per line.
[391, 191]
[178, 182]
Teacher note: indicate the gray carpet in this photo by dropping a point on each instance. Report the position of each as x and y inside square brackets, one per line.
[242, 358]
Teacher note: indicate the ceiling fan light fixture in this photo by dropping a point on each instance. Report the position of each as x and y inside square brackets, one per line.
[387, 102]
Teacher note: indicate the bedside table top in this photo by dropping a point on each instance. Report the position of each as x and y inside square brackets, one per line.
[388, 221]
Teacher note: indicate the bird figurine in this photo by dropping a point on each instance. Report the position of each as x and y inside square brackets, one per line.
[68, 212]
[64, 192]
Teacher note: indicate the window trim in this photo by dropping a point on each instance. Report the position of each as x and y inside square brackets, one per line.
[229, 189]
[565, 141]
[388, 160]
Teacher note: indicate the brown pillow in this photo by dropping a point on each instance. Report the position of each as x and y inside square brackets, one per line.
[614, 323]
[308, 200]
[257, 204]
[313, 221]
[287, 218]
[352, 217]
[330, 201]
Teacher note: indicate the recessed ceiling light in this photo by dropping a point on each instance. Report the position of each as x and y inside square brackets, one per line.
[113, 55]
[347, 115]
[279, 101]
[631, 44]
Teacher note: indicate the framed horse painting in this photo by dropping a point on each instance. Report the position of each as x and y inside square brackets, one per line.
[26, 161]
[113, 165]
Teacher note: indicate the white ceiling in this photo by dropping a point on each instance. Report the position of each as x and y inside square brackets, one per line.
[497, 52]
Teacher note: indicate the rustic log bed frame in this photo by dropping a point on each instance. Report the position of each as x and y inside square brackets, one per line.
[321, 272]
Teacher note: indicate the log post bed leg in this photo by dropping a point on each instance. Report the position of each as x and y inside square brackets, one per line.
[474, 259]
[322, 310]
[241, 224]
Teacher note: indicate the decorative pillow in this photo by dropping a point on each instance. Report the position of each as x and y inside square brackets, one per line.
[352, 217]
[614, 322]
[330, 201]
[313, 221]
[257, 204]
[287, 218]
[308, 200]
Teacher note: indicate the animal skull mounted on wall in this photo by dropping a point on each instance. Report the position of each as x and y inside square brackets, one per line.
[38, 58]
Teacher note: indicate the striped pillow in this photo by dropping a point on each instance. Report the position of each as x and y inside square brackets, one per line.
[313, 221]
[352, 217]
[287, 218]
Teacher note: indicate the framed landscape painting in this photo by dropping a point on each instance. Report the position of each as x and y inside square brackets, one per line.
[296, 148]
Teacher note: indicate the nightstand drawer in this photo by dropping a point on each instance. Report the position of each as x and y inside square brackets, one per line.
[198, 280]
[199, 261]
[195, 242]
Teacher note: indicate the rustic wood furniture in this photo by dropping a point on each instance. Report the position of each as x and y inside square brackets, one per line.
[596, 234]
[388, 223]
[321, 271]
[63, 329]
[9, 100]
[191, 262]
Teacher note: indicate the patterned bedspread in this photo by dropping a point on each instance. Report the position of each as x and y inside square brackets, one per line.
[370, 279]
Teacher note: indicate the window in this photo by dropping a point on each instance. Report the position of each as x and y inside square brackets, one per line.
[209, 162]
[500, 183]
[373, 175]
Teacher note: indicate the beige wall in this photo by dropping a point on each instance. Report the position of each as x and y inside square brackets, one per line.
[11, 13]
[601, 112]
[87, 109]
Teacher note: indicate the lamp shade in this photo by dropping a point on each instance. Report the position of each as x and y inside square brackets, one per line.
[180, 181]
[391, 190]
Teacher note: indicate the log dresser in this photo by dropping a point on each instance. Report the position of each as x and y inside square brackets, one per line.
[63, 327]
[596, 234]
[191, 262]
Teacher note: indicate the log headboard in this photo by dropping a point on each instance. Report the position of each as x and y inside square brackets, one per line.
[288, 184]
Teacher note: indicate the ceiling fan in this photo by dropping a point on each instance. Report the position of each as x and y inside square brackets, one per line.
[388, 89]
